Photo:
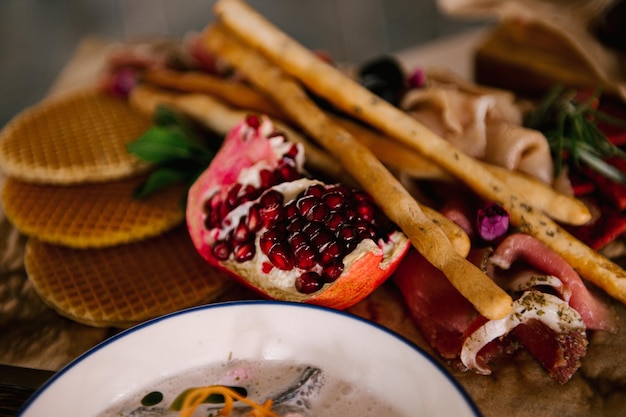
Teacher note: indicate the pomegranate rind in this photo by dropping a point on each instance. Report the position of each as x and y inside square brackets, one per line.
[364, 276]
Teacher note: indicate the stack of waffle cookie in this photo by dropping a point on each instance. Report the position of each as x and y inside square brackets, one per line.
[95, 253]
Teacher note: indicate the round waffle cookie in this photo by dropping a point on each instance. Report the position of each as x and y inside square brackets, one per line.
[75, 138]
[91, 214]
[123, 285]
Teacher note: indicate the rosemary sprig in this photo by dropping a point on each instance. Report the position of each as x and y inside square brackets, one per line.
[570, 125]
[178, 148]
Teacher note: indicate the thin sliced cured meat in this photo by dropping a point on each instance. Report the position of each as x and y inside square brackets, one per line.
[525, 248]
[440, 312]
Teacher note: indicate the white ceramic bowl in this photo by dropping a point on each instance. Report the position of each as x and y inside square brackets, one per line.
[358, 350]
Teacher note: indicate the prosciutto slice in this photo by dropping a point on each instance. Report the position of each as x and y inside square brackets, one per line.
[483, 125]
[520, 247]
[439, 311]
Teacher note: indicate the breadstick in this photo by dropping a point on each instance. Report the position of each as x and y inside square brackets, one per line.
[236, 93]
[558, 206]
[489, 299]
[324, 80]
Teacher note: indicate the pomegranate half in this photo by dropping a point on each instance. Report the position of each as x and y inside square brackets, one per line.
[254, 214]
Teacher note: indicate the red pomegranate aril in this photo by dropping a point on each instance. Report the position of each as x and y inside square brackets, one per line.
[253, 222]
[322, 237]
[335, 221]
[332, 271]
[271, 207]
[305, 256]
[240, 232]
[288, 172]
[296, 224]
[221, 250]
[270, 237]
[291, 211]
[253, 120]
[233, 194]
[346, 234]
[309, 282]
[330, 252]
[281, 257]
[350, 214]
[311, 229]
[268, 178]
[318, 213]
[244, 251]
[297, 239]
[291, 153]
[334, 200]
[305, 203]
[316, 190]
[366, 212]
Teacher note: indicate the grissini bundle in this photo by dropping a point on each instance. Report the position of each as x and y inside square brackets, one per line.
[329, 83]
[489, 299]
[558, 206]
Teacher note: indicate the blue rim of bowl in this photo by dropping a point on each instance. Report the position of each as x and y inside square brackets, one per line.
[459, 388]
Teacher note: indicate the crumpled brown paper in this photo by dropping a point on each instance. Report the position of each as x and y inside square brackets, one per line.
[571, 24]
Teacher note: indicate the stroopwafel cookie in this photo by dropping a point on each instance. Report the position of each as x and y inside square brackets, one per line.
[78, 137]
[91, 215]
[123, 285]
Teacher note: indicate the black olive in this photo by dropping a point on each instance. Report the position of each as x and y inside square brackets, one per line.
[611, 26]
[384, 77]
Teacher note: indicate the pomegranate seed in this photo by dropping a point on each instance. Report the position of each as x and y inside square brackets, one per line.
[322, 237]
[334, 221]
[249, 193]
[291, 211]
[311, 229]
[334, 200]
[316, 190]
[317, 213]
[271, 207]
[309, 282]
[270, 238]
[366, 212]
[346, 234]
[291, 153]
[350, 214]
[253, 222]
[332, 271]
[287, 173]
[305, 203]
[253, 120]
[244, 251]
[305, 256]
[268, 178]
[361, 197]
[221, 250]
[233, 194]
[241, 232]
[297, 239]
[330, 252]
[281, 257]
[223, 210]
[297, 224]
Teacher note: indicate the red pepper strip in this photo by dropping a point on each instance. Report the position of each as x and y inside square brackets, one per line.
[610, 225]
